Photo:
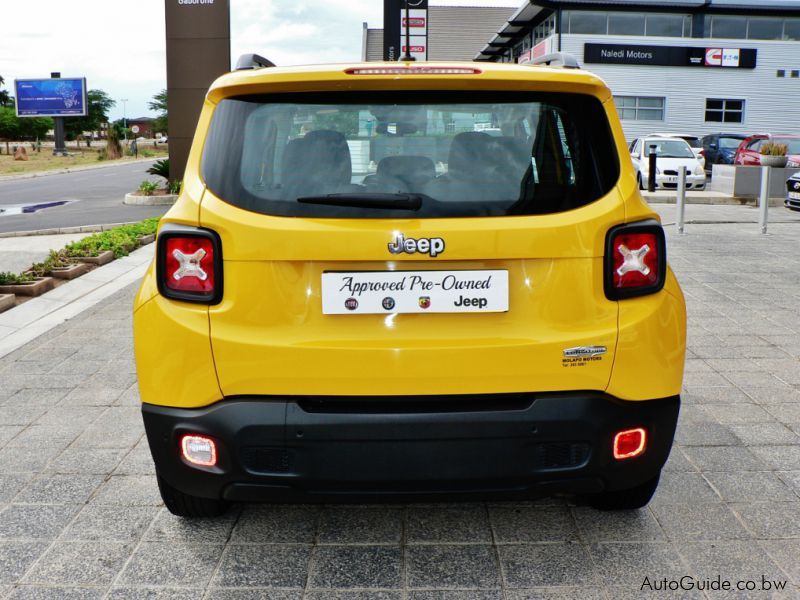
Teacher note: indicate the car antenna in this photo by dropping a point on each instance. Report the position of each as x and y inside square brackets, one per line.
[407, 54]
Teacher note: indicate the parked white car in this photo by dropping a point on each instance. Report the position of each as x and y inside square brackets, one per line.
[695, 143]
[671, 154]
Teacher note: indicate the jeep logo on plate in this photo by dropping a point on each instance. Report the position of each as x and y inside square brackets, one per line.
[432, 246]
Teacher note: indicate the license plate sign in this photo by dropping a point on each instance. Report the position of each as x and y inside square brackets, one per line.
[387, 292]
[794, 195]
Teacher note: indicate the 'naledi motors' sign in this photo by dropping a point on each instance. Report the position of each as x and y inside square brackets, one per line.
[198, 51]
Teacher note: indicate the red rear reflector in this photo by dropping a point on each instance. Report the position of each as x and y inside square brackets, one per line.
[189, 265]
[413, 70]
[635, 260]
[630, 443]
[199, 450]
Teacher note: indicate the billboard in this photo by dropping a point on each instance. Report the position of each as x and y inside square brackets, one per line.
[670, 56]
[51, 97]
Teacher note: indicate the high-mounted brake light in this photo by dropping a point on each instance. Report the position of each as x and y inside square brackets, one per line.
[199, 450]
[189, 264]
[413, 70]
[635, 260]
[630, 443]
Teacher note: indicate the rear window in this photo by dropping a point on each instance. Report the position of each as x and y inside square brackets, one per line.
[730, 143]
[410, 155]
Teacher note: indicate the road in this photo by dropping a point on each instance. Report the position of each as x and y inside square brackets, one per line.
[96, 197]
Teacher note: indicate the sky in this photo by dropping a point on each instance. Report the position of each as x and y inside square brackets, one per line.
[119, 45]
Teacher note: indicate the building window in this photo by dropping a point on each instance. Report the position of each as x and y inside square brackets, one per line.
[728, 27]
[640, 108]
[659, 25]
[791, 29]
[781, 73]
[719, 110]
[626, 23]
[588, 22]
[795, 74]
[764, 28]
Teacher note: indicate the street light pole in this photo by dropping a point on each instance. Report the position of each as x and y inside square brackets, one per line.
[124, 120]
[407, 53]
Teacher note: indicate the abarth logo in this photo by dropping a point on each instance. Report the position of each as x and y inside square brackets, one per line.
[424, 301]
[432, 246]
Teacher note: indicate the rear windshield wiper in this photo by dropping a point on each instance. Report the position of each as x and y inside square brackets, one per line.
[387, 201]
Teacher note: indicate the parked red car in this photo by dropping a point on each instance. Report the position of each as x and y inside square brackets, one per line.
[748, 151]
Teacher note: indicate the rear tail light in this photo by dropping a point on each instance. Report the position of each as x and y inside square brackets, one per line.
[199, 450]
[635, 261]
[189, 264]
[630, 443]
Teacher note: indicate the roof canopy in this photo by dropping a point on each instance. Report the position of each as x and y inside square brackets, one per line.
[529, 12]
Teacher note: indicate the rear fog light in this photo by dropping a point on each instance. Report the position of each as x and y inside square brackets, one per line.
[630, 443]
[199, 450]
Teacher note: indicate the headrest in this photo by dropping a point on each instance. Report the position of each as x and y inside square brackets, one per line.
[322, 155]
[470, 156]
[412, 170]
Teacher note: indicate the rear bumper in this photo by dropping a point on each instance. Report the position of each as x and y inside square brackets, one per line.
[284, 449]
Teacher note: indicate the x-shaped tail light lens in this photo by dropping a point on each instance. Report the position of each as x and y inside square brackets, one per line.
[189, 263]
[635, 260]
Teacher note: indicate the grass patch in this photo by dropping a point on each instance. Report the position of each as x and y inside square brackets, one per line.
[45, 161]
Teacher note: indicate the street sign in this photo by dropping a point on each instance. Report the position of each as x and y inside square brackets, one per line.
[135, 129]
[61, 97]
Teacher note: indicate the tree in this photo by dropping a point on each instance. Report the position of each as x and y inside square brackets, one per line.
[34, 128]
[5, 97]
[9, 123]
[99, 103]
[159, 105]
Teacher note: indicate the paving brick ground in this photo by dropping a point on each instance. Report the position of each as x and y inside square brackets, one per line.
[80, 515]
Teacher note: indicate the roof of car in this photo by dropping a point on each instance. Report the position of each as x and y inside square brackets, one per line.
[393, 76]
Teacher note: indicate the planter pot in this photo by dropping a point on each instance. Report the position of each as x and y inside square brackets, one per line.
[70, 272]
[6, 301]
[34, 288]
[774, 161]
[101, 259]
[146, 239]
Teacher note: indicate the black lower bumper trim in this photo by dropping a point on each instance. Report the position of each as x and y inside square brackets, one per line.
[285, 448]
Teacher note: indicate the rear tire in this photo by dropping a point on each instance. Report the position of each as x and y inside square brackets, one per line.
[629, 499]
[192, 507]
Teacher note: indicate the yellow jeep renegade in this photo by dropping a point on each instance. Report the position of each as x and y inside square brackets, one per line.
[409, 279]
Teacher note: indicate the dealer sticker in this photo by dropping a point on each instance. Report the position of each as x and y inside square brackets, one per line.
[385, 292]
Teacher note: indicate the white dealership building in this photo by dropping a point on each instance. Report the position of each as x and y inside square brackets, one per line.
[683, 66]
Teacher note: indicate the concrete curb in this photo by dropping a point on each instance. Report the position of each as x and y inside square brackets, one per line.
[20, 325]
[75, 169]
[162, 200]
[60, 230]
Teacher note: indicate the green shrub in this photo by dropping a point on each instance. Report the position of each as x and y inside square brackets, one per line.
[160, 168]
[147, 153]
[54, 260]
[120, 240]
[7, 278]
[148, 187]
[174, 187]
